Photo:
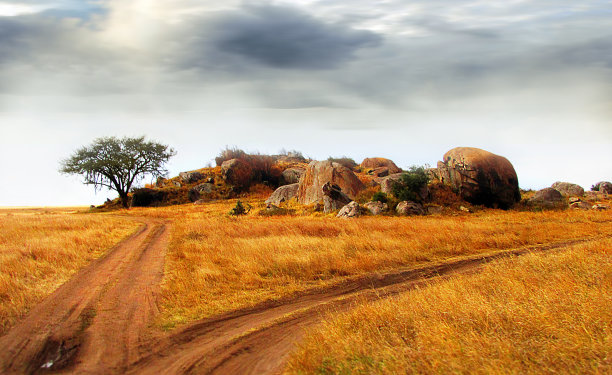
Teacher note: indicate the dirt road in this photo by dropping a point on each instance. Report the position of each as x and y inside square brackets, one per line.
[98, 322]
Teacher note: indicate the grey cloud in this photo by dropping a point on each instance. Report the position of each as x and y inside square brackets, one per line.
[276, 37]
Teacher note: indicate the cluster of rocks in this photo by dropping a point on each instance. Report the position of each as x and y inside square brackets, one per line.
[404, 208]
[478, 176]
[564, 194]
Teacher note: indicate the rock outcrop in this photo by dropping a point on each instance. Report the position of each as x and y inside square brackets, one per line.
[376, 208]
[548, 198]
[319, 173]
[283, 194]
[350, 210]
[333, 197]
[603, 187]
[480, 177]
[291, 176]
[196, 192]
[407, 208]
[191, 177]
[373, 164]
[568, 189]
[237, 172]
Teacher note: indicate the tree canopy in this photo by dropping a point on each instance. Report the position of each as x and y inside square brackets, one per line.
[118, 163]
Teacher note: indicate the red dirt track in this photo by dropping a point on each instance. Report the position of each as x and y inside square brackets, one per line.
[99, 321]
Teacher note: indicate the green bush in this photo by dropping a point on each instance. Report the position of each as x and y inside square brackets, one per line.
[409, 185]
[240, 209]
[379, 196]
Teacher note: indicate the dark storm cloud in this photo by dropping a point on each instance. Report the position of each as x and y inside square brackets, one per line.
[277, 37]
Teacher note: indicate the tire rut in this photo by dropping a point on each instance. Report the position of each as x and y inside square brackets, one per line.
[258, 340]
[62, 331]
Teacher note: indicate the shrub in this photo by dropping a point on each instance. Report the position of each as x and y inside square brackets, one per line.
[345, 161]
[379, 197]
[240, 209]
[229, 154]
[409, 185]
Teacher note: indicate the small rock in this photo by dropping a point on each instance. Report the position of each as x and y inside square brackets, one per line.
[574, 200]
[580, 206]
[376, 208]
[350, 210]
[283, 194]
[176, 184]
[600, 207]
[196, 192]
[408, 208]
[465, 209]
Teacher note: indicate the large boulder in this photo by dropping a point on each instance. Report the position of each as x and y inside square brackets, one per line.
[350, 210]
[237, 172]
[319, 173]
[283, 194]
[603, 187]
[407, 208]
[196, 192]
[568, 189]
[333, 197]
[292, 175]
[480, 177]
[548, 198]
[377, 165]
[191, 177]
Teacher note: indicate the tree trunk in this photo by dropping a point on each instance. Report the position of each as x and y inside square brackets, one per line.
[124, 200]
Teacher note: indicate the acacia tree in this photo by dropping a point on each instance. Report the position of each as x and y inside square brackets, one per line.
[118, 163]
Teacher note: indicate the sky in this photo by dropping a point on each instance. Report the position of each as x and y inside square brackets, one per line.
[530, 80]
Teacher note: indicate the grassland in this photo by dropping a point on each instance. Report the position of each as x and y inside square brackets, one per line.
[540, 314]
[216, 263]
[41, 248]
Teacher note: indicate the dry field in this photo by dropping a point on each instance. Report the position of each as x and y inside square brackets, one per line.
[541, 313]
[216, 263]
[41, 248]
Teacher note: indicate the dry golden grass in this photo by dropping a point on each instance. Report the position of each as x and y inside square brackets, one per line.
[41, 248]
[538, 314]
[216, 263]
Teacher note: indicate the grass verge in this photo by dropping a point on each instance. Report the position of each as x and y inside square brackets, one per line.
[217, 264]
[539, 314]
[40, 250]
